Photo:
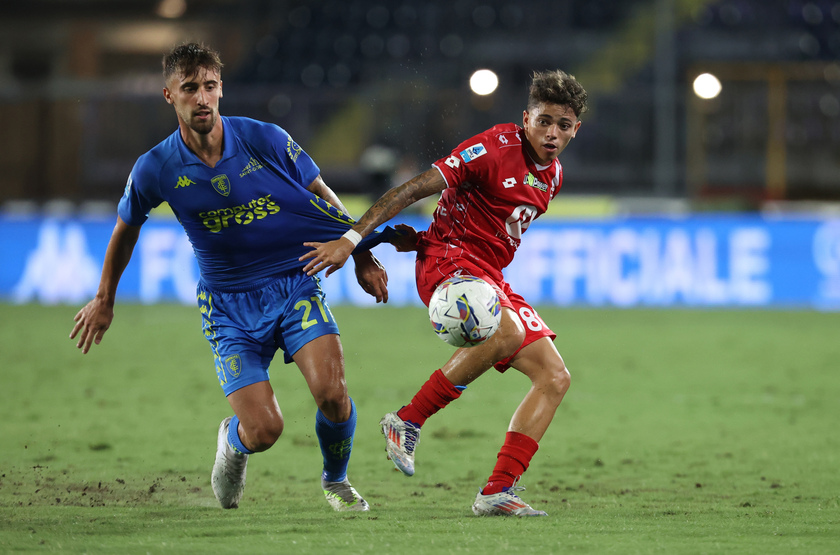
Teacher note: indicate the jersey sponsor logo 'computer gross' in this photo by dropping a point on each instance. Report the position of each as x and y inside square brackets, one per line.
[243, 214]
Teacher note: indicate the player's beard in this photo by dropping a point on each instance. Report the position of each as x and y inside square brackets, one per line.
[204, 127]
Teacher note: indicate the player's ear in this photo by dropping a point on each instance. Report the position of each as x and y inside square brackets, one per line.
[167, 95]
[524, 118]
[221, 90]
[577, 126]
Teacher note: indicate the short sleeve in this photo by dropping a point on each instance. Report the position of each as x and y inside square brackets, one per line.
[292, 158]
[141, 195]
[468, 162]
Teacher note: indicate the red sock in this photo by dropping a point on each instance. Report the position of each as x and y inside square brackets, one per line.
[511, 462]
[433, 396]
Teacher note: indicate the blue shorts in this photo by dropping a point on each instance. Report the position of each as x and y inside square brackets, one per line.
[246, 327]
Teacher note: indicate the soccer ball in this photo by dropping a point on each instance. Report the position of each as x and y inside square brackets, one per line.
[465, 311]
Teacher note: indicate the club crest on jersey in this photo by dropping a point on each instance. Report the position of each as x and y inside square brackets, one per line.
[222, 184]
[473, 152]
[532, 181]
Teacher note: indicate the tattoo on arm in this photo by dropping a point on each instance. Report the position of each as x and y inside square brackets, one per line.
[395, 200]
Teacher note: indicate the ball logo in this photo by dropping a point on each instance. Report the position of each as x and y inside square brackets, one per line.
[464, 311]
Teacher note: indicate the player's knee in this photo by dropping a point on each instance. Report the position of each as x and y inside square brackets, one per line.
[563, 379]
[558, 382]
[553, 381]
[335, 405]
[265, 433]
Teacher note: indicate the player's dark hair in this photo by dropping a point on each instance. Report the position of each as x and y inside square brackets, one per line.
[557, 87]
[187, 59]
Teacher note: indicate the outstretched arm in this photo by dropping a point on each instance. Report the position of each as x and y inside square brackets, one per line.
[333, 255]
[370, 273]
[94, 319]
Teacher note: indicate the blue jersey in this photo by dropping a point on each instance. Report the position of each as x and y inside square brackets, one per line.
[247, 218]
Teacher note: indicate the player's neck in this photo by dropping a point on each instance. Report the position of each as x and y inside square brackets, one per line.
[208, 147]
[529, 150]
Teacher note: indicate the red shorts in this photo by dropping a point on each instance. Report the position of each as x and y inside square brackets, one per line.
[430, 271]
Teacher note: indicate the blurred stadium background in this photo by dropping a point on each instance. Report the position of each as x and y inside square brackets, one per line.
[377, 90]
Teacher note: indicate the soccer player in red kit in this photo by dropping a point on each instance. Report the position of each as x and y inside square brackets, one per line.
[492, 187]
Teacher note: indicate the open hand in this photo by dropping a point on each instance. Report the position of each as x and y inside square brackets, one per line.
[93, 320]
[330, 256]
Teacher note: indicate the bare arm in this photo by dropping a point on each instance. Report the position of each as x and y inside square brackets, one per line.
[370, 273]
[319, 187]
[397, 199]
[333, 255]
[94, 319]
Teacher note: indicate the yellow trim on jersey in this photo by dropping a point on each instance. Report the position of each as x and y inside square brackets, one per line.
[346, 219]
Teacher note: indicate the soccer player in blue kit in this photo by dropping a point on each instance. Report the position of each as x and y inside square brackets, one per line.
[247, 196]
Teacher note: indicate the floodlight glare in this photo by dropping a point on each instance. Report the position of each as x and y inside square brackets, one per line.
[483, 82]
[707, 86]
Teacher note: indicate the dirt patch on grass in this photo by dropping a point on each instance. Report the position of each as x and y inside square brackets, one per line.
[41, 485]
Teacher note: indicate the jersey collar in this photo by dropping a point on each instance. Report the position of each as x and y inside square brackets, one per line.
[539, 166]
[229, 146]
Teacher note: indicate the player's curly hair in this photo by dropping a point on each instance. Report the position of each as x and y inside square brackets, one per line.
[557, 87]
[186, 59]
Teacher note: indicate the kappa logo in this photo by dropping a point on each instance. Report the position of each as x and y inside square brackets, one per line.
[222, 184]
[473, 152]
[184, 181]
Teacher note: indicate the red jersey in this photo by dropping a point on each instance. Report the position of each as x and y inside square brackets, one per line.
[494, 191]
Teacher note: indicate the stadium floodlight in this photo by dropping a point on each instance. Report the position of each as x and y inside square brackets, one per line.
[707, 86]
[484, 82]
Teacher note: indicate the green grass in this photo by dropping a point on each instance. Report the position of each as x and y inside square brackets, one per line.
[684, 432]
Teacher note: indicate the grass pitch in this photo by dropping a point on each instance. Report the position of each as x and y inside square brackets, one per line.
[683, 432]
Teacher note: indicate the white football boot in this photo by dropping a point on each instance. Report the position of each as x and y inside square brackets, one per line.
[343, 497]
[228, 478]
[401, 438]
[505, 503]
